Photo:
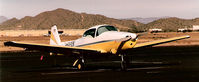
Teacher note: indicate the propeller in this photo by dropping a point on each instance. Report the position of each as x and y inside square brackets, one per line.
[141, 34]
[123, 41]
[127, 38]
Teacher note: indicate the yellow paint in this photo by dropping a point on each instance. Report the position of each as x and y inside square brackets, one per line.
[53, 37]
[60, 54]
[160, 41]
[79, 66]
[57, 46]
[75, 63]
[55, 54]
[129, 44]
[111, 47]
[105, 46]
[113, 51]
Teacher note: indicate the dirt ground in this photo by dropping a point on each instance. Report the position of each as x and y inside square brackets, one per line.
[194, 40]
[16, 33]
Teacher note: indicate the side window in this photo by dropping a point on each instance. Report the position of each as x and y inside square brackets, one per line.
[90, 33]
[103, 29]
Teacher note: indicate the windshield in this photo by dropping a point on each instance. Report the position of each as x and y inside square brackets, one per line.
[105, 28]
[89, 33]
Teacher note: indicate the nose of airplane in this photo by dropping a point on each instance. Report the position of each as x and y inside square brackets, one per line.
[132, 35]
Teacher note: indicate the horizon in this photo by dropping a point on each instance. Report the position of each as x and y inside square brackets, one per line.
[103, 15]
[113, 8]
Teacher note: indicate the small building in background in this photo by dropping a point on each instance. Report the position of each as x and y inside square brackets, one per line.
[185, 30]
[195, 27]
[181, 30]
[155, 30]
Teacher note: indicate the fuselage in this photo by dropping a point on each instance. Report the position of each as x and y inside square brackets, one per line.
[98, 36]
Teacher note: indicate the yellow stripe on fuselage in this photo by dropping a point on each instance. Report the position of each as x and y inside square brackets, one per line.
[111, 46]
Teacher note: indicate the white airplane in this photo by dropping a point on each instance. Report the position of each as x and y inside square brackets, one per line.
[97, 40]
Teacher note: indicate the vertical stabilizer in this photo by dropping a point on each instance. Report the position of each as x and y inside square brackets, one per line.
[54, 36]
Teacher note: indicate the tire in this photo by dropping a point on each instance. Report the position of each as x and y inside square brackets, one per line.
[80, 65]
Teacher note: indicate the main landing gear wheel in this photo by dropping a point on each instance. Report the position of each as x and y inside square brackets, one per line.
[79, 64]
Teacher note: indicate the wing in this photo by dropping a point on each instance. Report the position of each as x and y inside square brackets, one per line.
[51, 48]
[146, 44]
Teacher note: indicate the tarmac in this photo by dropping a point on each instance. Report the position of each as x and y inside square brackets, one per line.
[153, 64]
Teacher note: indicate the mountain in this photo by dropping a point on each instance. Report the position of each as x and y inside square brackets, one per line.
[146, 20]
[171, 24]
[3, 19]
[65, 19]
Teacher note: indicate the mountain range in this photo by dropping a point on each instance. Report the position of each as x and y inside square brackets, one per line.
[171, 24]
[146, 20]
[65, 19]
[3, 19]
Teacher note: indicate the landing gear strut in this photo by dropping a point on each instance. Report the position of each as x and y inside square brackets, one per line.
[124, 62]
[79, 63]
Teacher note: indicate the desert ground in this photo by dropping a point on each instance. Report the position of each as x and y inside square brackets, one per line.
[170, 62]
[16, 33]
[37, 37]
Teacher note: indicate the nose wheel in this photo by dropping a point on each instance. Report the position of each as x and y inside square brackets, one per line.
[124, 62]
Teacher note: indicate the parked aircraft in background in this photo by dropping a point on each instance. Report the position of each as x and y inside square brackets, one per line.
[97, 40]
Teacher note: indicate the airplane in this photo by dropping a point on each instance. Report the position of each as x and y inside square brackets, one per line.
[97, 40]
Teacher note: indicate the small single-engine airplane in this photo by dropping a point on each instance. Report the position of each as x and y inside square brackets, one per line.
[97, 40]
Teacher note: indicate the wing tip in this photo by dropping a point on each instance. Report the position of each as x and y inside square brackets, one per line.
[187, 36]
[8, 43]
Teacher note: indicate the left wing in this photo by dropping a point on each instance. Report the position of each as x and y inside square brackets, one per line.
[146, 44]
[90, 49]
[51, 48]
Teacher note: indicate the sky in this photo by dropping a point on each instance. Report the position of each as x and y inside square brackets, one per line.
[186, 9]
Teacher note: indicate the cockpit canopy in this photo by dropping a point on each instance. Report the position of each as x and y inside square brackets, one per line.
[96, 31]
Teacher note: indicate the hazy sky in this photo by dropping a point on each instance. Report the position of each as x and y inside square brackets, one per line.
[111, 8]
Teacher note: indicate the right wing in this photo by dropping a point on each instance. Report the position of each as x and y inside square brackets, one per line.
[146, 44]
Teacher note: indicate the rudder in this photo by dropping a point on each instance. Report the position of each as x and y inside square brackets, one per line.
[54, 36]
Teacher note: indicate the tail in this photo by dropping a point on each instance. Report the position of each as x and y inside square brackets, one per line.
[54, 36]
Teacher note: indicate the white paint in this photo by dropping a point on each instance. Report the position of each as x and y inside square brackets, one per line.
[56, 40]
[155, 29]
[108, 35]
[195, 27]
